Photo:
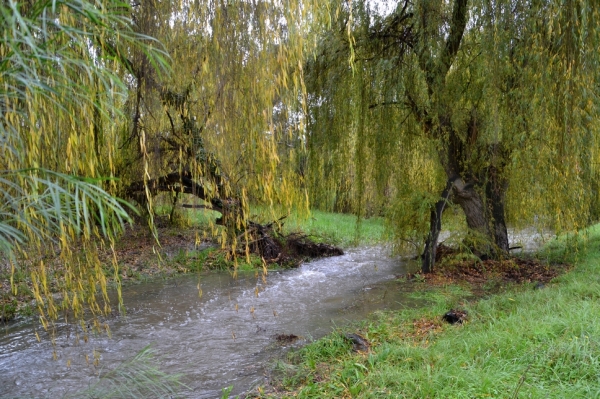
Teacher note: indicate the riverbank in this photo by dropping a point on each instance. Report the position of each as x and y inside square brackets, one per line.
[187, 244]
[529, 340]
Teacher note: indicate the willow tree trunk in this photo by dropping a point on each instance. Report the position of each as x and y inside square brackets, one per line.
[428, 257]
[479, 192]
[484, 214]
[481, 239]
[495, 191]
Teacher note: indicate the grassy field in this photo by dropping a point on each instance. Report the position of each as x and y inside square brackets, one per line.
[335, 228]
[521, 343]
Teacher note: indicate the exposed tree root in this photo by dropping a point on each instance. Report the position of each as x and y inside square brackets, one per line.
[291, 250]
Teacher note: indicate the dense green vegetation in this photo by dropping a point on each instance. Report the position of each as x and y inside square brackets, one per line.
[522, 342]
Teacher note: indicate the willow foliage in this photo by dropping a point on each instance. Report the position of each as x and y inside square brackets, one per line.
[232, 112]
[513, 94]
[61, 93]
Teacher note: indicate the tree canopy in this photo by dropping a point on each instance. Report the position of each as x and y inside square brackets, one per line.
[490, 104]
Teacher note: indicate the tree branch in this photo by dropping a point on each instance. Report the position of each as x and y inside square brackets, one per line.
[457, 29]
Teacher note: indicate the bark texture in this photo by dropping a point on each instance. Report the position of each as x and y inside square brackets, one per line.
[428, 258]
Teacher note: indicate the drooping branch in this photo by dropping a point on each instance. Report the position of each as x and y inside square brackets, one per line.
[175, 182]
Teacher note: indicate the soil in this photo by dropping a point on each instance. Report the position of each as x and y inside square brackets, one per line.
[477, 272]
[139, 254]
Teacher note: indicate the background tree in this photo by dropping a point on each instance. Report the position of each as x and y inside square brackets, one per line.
[224, 127]
[489, 103]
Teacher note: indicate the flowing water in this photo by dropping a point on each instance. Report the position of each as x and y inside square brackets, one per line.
[224, 337]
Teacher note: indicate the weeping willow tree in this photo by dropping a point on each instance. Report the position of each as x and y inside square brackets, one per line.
[61, 93]
[224, 127]
[89, 113]
[489, 105]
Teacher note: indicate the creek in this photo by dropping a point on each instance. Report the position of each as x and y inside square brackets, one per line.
[224, 337]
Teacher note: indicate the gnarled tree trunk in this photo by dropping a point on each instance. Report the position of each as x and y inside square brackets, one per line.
[484, 212]
[435, 226]
[495, 190]
[470, 200]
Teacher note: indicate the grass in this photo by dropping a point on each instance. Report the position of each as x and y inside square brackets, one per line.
[334, 228]
[521, 343]
[340, 229]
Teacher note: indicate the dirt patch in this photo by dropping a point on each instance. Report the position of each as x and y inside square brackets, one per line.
[477, 272]
[139, 254]
[513, 270]
[425, 326]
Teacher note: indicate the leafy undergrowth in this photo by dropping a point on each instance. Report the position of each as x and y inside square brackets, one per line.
[526, 341]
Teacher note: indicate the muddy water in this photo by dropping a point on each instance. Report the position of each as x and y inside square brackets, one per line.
[223, 337]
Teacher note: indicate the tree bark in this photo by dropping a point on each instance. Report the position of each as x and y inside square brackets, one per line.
[435, 226]
[495, 188]
[478, 222]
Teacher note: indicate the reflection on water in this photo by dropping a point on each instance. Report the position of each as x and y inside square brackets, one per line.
[221, 338]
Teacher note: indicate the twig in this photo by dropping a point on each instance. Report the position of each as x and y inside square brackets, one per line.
[521, 381]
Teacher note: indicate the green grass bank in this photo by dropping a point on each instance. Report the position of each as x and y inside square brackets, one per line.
[520, 343]
[341, 229]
